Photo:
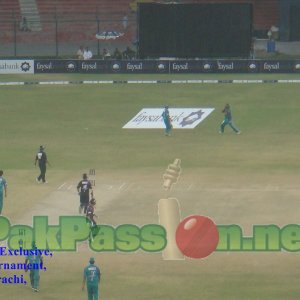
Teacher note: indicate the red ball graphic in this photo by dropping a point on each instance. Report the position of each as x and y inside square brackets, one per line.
[197, 236]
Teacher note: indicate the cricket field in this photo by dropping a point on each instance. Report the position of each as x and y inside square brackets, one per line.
[247, 179]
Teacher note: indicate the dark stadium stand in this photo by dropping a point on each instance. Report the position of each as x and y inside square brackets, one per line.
[9, 11]
[77, 21]
[103, 9]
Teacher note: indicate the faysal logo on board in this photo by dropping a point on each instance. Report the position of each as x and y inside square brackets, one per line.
[253, 67]
[180, 66]
[89, 66]
[25, 66]
[161, 66]
[134, 66]
[271, 66]
[225, 66]
[71, 66]
[116, 66]
[297, 66]
[44, 66]
[182, 118]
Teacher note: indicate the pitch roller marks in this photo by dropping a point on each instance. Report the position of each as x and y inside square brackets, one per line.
[118, 186]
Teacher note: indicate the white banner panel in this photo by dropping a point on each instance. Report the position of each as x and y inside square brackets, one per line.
[17, 66]
[182, 118]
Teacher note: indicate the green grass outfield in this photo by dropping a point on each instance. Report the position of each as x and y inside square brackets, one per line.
[246, 179]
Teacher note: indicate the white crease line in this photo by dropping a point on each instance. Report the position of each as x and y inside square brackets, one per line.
[62, 186]
[70, 187]
[122, 185]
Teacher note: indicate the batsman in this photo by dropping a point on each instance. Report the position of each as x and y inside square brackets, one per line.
[90, 219]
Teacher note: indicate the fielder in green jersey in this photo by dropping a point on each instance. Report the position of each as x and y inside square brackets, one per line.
[228, 120]
[3, 188]
[167, 120]
[34, 273]
[91, 276]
